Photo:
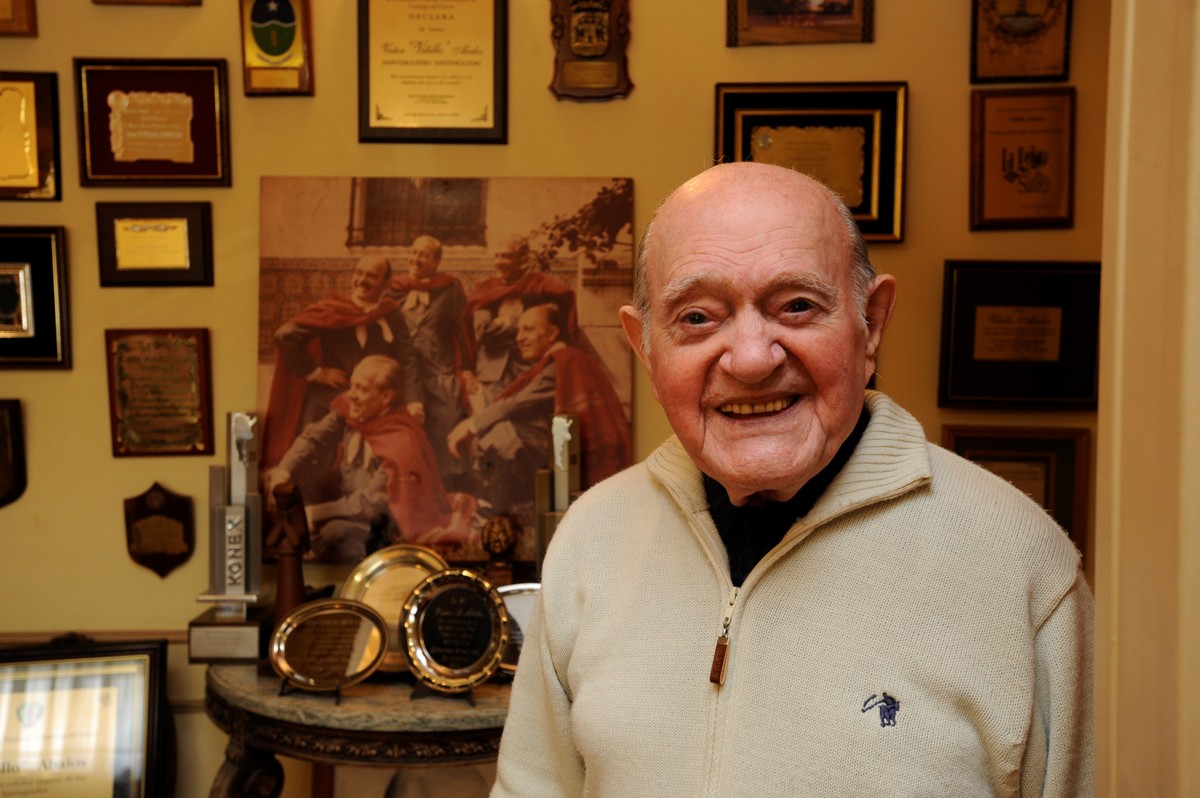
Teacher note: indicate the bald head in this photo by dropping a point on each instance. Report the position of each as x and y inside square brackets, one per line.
[711, 197]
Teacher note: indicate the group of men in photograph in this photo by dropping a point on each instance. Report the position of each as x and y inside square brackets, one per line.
[407, 407]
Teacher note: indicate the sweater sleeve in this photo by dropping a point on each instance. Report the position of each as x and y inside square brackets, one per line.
[537, 754]
[1058, 758]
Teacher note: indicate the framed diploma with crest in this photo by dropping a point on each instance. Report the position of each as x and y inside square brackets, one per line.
[1012, 40]
[433, 72]
[146, 122]
[86, 718]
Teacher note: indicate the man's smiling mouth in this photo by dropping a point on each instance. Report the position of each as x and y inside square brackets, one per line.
[743, 409]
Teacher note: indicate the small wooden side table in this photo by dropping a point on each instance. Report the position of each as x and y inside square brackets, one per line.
[375, 723]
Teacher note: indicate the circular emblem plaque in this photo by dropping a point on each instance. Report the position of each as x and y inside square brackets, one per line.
[455, 627]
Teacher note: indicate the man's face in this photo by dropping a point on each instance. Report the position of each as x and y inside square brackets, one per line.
[535, 335]
[757, 350]
[511, 261]
[369, 280]
[423, 259]
[368, 398]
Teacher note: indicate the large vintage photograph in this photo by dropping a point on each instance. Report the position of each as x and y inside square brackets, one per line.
[416, 338]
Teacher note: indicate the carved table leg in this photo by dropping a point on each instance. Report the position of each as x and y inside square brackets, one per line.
[247, 773]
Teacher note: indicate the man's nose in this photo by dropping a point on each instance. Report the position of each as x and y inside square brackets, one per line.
[752, 348]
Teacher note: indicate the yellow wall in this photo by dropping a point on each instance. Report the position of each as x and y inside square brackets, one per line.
[62, 557]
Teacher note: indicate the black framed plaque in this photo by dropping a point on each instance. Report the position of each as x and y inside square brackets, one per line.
[455, 628]
[34, 317]
[154, 243]
[152, 122]
[1020, 334]
[850, 136]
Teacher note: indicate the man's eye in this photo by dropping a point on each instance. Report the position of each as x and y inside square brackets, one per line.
[800, 306]
[694, 317]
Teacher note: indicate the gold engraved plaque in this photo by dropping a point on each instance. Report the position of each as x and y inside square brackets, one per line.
[328, 644]
[1018, 333]
[151, 126]
[151, 243]
[836, 156]
[18, 135]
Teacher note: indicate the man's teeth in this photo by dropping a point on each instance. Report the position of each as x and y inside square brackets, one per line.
[746, 409]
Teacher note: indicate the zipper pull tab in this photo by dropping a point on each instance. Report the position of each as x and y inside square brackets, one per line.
[716, 673]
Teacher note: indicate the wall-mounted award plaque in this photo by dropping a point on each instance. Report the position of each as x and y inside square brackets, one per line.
[384, 581]
[590, 37]
[455, 628]
[328, 644]
[276, 47]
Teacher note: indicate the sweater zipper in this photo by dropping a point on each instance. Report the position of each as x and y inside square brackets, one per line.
[716, 673]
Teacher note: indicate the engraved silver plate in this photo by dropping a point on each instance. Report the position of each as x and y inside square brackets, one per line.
[518, 600]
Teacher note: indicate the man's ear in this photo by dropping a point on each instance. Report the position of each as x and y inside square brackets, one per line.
[881, 300]
[631, 322]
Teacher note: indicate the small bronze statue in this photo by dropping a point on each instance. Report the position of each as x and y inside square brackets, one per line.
[499, 539]
[288, 541]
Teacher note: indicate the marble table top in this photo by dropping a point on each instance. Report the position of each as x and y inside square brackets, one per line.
[376, 706]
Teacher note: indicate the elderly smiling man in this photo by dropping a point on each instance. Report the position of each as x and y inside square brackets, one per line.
[796, 594]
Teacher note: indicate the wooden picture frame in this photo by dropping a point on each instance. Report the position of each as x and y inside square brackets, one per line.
[1025, 43]
[147, 2]
[1050, 464]
[431, 77]
[851, 136]
[19, 18]
[754, 22]
[1022, 158]
[154, 243]
[1020, 334]
[152, 122]
[29, 104]
[34, 316]
[101, 706]
[276, 48]
[159, 391]
[13, 474]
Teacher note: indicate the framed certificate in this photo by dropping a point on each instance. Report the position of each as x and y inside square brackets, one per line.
[96, 712]
[1022, 158]
[1050, 464]
[30, 164]
[276, 47]
[433, 72]
[154, 243]
[1019, 41]
[849, 136]
[751, 22]
[145, 122]
[159, 391]
[34, 318]
[1020, 334]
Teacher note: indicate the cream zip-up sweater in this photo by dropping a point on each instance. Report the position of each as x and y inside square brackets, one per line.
[924, 631]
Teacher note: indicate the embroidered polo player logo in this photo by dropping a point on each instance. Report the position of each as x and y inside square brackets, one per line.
[888, 707]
